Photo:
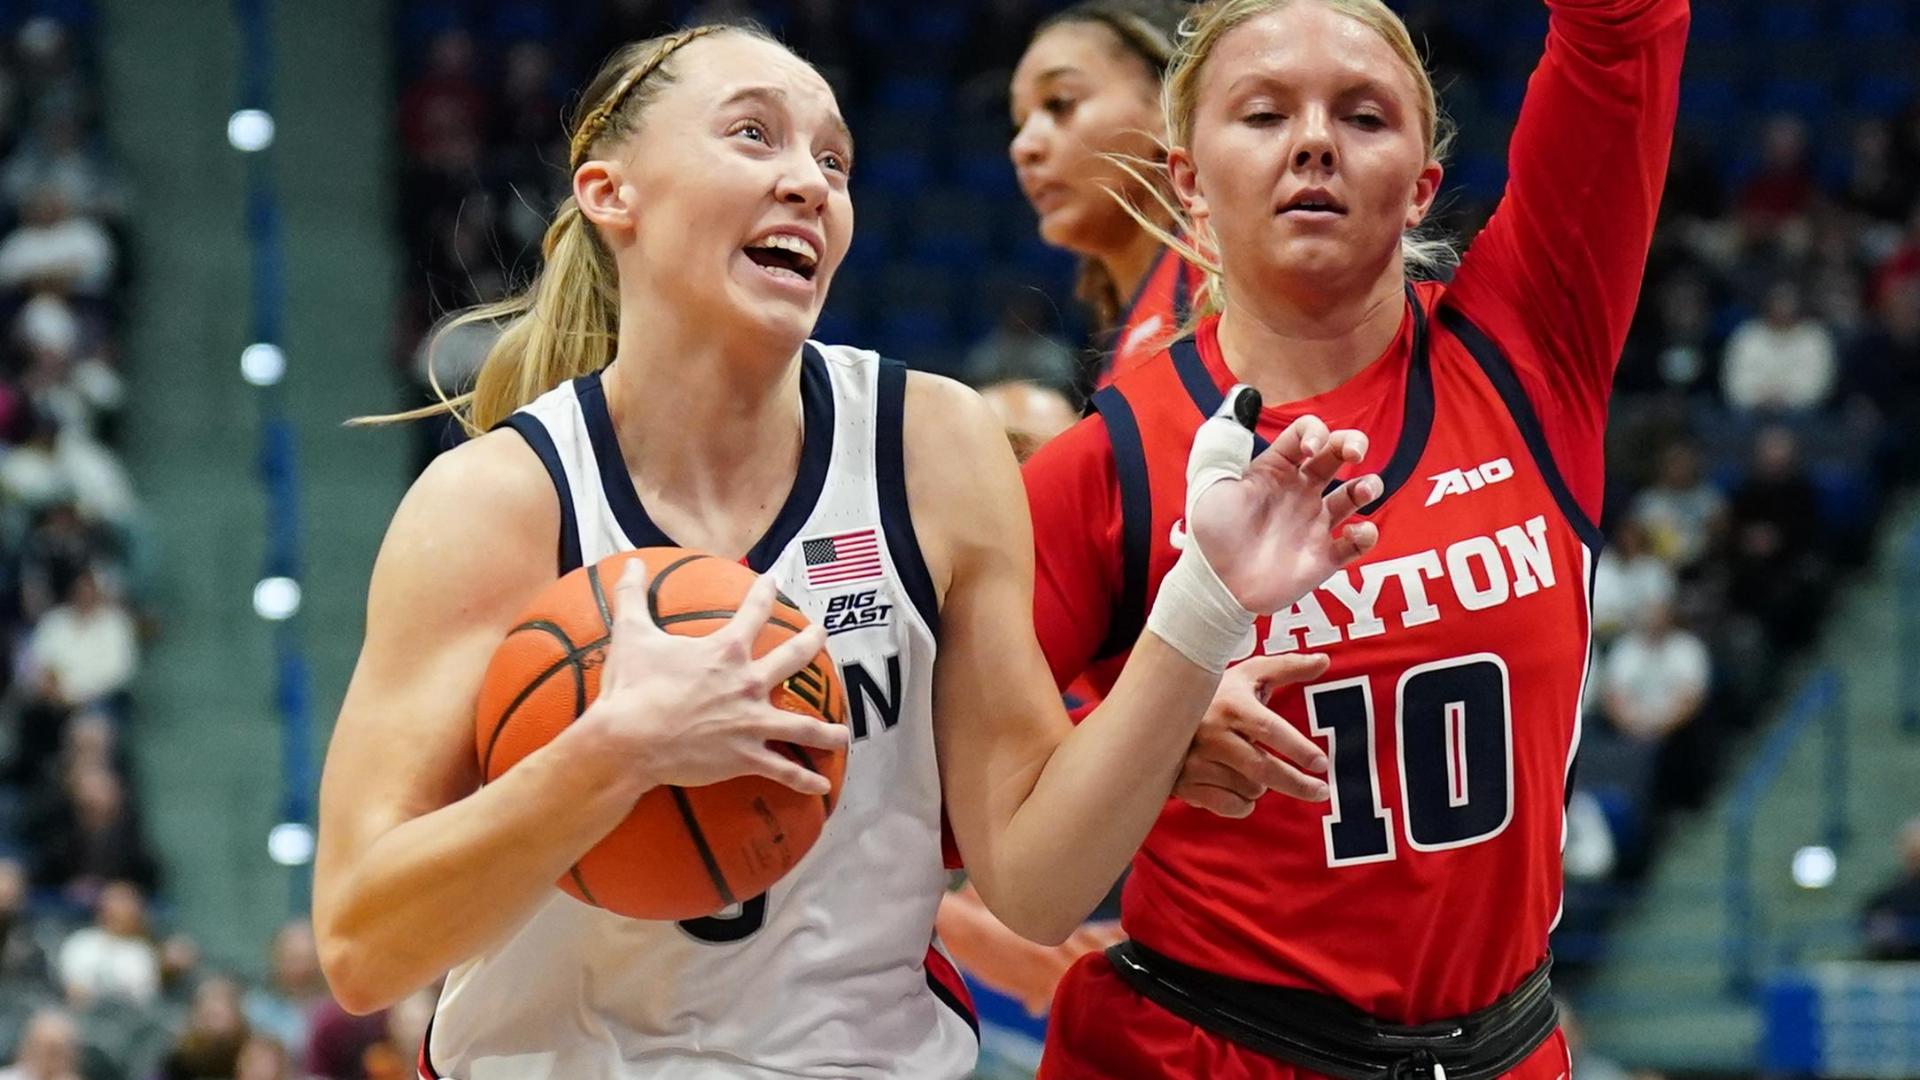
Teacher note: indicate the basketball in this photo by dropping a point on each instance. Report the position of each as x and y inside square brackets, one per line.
[681, 853]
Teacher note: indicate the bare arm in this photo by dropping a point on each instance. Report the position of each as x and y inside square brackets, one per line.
[408, 838]
[1046, 814]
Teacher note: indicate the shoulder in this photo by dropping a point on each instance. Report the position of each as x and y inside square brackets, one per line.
[484, 511]
[962, 481]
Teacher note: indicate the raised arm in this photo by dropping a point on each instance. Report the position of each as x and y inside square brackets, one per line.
[1047, 814]
[1563, 256]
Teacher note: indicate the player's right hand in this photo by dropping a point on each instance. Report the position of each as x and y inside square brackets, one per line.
[1244, 749]
[696, 710]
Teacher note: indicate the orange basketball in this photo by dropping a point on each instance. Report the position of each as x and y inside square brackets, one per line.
[682, 853]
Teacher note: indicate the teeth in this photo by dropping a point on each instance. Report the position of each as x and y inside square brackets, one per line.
[789, 242]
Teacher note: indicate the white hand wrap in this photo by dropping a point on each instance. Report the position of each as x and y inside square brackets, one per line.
[1194, 611]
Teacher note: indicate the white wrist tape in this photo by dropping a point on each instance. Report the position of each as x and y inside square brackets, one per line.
[1194, 611]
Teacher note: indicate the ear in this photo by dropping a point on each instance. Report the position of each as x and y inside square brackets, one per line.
[1426, 187]
[1186, 186]
[603, 195]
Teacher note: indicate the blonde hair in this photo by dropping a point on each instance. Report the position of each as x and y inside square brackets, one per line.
[566, 322]
[1424, 255]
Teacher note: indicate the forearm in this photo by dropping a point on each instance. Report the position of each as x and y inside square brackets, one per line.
[1098, 795]
[450, 884]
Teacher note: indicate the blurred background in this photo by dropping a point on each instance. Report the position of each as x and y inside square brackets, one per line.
[227, 227]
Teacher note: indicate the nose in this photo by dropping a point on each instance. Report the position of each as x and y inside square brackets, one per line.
[803, 184]
[1314, 148]
[1029, 145]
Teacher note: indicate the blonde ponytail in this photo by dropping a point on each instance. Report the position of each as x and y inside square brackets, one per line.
[567, 322]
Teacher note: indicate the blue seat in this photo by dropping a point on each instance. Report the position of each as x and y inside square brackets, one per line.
[912, 93]
[1809, 99]
[1711, 102]
[1873, 20]
[1883, 93]
[1790, 21]
[1715, 23]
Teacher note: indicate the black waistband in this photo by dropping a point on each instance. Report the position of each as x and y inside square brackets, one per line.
[1327, 1035]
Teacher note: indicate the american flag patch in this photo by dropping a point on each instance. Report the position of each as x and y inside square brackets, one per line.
[842, 559]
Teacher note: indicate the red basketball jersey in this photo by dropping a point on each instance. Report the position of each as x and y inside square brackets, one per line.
[1154, 316]
[1450, 711]
[1426, 887]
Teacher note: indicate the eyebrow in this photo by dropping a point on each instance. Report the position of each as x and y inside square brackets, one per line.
[773, 95]
[1362, 85]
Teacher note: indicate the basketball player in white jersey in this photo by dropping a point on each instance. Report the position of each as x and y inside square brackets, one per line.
[656, 386]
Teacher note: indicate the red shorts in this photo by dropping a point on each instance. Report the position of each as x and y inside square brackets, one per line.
[1100, 1029]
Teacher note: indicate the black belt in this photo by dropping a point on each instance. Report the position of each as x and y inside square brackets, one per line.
[1327, 1035]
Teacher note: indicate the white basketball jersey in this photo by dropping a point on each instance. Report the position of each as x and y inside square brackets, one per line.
[834, 971]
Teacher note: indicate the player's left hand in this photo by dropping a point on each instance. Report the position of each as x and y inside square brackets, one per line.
[1244, 749]
[1275, 533]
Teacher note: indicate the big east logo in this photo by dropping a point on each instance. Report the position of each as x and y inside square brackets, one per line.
[856, 611]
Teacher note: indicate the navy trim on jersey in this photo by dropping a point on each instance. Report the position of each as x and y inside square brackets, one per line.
[952, 1001]
[537, 436]
[1416, 421]
[890, 476]
[1129, 614]
[1415, 425]
[816, 454]
[1505, 382]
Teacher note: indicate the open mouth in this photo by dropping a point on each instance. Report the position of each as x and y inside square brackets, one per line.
[785, 255]
[1314, 201]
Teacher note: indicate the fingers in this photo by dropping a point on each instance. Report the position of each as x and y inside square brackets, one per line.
[1282, 669]
[1303, 439]
[753, 611]
[1214, 800]
[1342, 448]
[630, 600]
[788, 657]
[1350, 497]
[1267, 728]
[1230, 766]
[791, 727]
[785, 771]
[1357, 540]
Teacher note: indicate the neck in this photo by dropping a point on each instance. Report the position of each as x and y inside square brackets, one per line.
[709, 428]
[1295, 346]
[1129, 264]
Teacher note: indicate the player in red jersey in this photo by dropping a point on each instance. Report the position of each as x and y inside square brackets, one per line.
[1086, 90]
[1401, 927]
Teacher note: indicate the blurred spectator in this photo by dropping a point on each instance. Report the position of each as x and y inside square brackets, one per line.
[396, 1054]
[97, 840]
[49, 1049]
[1783, 361]
[1587, 1063]
[338, 1041]
[31, 475]
[1682, 513]
[1674, 347]
[1628, 578]
[54, 249]
[1883, 368]
[81, 390]
[60, 546]
[216, 1031]
[1784, 188]
[263, 1058]
[446, 101]
[114, 957]
[179, 970]
[1031, 413]
[1019, 349]
[50, 74]
[285, 1005]
[1891, 919]
[56, 154]
[529, 103]
[1656, 677]
[1876, 184]
[1589, 853]
[1777, 571]
[22, 961]
[84, 651]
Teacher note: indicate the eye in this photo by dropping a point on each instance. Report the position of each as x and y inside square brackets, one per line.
[753, 129]
[1059, 105]
[1368, 121]
[836, 161]
[1262, 118]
